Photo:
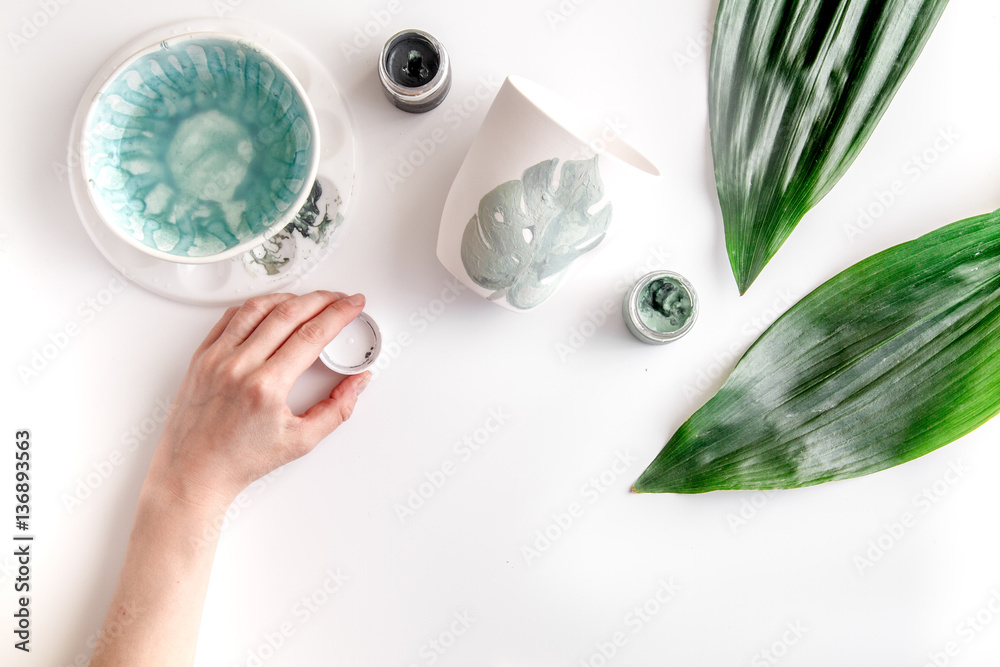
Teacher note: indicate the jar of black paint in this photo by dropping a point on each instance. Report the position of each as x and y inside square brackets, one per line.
[415, 71]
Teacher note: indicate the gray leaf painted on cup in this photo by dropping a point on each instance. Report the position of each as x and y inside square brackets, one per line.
[528, 232]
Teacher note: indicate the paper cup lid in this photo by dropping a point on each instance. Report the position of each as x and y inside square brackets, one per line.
[355, 348]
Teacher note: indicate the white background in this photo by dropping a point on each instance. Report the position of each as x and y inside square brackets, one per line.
[748, 566]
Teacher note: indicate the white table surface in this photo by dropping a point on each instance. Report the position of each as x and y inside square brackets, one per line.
[793, 573]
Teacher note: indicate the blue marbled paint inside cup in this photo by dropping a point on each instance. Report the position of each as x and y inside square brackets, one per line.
[198, 146]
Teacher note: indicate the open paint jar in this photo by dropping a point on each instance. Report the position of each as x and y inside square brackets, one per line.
[355, 348]
[415, 71]
[661, 307]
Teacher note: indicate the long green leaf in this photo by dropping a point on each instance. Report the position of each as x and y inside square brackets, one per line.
[891, 359]
[796, 87]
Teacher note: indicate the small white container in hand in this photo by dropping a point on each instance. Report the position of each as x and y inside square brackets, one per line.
[355, 348]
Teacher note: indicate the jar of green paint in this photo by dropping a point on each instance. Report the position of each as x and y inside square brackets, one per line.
[660, 307]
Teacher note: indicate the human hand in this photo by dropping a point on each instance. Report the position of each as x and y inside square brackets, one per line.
[230, 423]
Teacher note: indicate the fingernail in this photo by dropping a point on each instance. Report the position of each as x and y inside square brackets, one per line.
[356, 299]
[363, 385]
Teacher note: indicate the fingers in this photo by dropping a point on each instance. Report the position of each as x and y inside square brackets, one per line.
[323, 418]
[284, 319]
[249, 316]
[303, 346]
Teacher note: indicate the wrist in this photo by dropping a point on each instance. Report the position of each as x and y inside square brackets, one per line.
[186, 528]
[182, 475]
[164, 492]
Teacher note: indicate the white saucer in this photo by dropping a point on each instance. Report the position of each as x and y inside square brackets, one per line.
[290, 255]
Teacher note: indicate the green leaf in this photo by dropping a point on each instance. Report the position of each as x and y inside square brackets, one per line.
[796, 87]
[528, 232]
[891, 359]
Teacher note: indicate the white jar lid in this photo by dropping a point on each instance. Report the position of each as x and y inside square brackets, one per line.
[355, 348]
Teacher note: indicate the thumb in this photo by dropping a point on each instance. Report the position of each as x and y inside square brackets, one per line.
[324, 417]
